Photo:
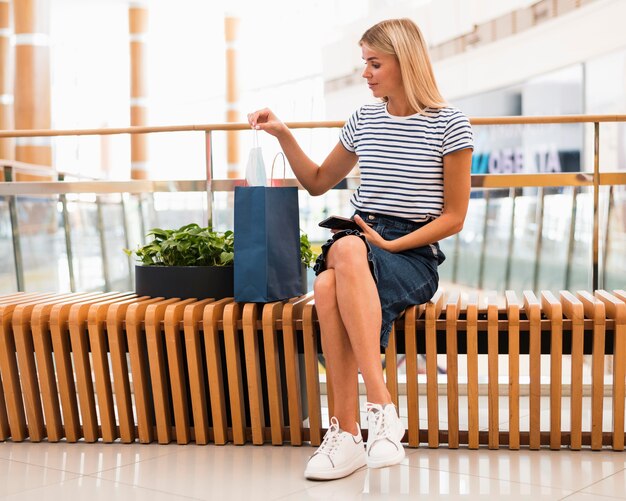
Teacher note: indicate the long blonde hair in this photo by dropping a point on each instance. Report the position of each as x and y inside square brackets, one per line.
[403, 39]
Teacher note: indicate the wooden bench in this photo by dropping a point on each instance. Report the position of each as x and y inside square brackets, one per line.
[107, 367]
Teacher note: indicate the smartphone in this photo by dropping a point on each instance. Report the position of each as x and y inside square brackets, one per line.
[339, 223]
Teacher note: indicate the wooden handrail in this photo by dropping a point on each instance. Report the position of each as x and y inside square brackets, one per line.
[511, 120]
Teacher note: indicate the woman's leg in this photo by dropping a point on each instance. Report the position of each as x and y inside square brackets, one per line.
[359, 309]
[341, 366]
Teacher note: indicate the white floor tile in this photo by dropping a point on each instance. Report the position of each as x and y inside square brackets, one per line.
[565, 469]
[221, 472]
[614, 486]
[81, 457]
[17, 477]
[402, 481]
[94, 489]
[581, 496]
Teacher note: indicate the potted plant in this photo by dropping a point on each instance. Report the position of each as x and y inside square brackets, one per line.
[193, 262]
[188, 262]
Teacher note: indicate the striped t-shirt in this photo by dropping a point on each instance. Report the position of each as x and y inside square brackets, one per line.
[401, 158]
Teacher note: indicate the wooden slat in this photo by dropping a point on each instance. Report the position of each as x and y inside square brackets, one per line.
[176, 365]
[213, 314]
[118, 347]
[16, 415]
[433, 310]
[492, 371]
[594, 309]
[5, 429]
[25, 350]
[412, 397]
[77, 322]
[253, 372]
[512, 312]
[99, 342]
[42, 342]
[139, 366]
[59, 336]
[232, 313]
[573, 310]
[533, 313]
[155, 314]
[12, 298]
[309, 333]
[192, 318]
[453, 307]
[472, 371]
[391, 367]
[616, 310]
[552, 309]
[292, 311]
[271, 313]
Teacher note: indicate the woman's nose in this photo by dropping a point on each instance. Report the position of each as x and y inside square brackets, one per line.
[366, 73]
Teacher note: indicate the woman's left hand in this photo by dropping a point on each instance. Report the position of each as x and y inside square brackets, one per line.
[372, 236]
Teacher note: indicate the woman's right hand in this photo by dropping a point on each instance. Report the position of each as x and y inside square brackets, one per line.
[266, 120]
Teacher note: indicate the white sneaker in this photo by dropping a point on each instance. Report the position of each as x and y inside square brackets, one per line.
[385, 432]
[340, 454]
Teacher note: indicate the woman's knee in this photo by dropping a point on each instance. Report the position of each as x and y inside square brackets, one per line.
[324, 287]
[348, 250]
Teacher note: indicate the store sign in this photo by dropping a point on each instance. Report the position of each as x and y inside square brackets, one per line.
[513, 161]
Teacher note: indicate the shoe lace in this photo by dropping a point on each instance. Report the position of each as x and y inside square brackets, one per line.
[379, 427]
[331, 439]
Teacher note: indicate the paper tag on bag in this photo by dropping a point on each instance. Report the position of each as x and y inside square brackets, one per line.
[255, 170]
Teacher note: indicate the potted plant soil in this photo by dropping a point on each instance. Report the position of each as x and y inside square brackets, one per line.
[188, 262]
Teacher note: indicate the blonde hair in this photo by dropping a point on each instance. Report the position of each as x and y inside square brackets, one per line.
[403, 39]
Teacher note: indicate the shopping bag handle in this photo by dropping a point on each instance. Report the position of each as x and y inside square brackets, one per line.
[279, 154]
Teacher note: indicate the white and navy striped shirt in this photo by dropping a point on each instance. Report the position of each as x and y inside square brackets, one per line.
[401, 158]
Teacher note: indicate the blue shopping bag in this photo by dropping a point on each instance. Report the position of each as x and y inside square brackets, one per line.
[267, 244]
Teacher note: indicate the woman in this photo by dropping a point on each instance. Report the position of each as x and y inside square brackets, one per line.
[414, 154]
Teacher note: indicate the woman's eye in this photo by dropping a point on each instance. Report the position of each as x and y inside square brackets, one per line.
[375, 66]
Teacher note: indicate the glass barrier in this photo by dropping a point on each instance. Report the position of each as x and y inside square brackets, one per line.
[521, 232]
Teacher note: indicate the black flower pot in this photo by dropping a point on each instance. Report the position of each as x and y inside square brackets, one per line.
[184, 282]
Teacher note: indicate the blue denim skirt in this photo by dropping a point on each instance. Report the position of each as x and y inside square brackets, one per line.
[403, 278]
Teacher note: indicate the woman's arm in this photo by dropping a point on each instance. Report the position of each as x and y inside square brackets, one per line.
[456, 192]
[316, 179]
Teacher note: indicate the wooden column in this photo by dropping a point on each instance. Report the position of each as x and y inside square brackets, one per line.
[231, 25]
[7, 146]
[32, 80]
[138, 28]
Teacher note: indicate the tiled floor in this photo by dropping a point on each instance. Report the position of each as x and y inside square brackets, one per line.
[62, 471]
[167, 472]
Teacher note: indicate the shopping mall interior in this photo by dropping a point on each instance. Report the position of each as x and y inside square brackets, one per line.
[124, 135]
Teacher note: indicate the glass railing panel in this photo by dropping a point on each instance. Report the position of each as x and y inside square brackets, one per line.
[495, 249]
[555, 241]
[86, 247]
[8, 282]
[114, 240]
[42, 244]
[580, 276]
[464, 255]
[615, 241]
[173, 210]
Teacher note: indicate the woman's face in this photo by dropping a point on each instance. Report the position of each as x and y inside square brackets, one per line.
[382, 72]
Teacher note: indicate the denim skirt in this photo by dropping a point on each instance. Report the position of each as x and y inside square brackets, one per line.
[403, 278]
